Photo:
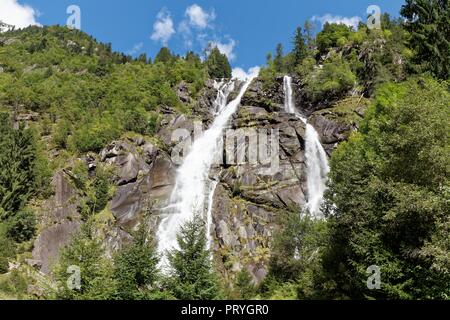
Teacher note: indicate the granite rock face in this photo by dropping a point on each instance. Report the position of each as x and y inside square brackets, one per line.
[262, 176]
[60, 220]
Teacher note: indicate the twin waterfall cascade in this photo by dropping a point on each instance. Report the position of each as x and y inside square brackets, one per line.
[317, 167]
[193, 191]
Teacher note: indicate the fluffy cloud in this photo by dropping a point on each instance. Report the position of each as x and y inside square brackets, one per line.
[198, 17]
[196, 29]
[136, 49]
[225, 48]
[239, 73]
[13, 13]
[349, 21]
[163, 27]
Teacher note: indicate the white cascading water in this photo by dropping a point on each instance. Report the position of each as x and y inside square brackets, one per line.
[193, 186]
[317, 168]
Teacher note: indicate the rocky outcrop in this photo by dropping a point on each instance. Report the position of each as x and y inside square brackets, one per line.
[50, 241]
[59, 219]
[250, 198]
[144, 178]
[255, 186]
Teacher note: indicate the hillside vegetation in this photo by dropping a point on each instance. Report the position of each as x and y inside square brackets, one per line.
[64, 96]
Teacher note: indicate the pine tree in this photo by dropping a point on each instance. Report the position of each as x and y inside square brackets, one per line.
[300, 50]
[135, 267]
[309, 29]
[429, 24]
[18, 155]
[193, 58]
[192, 276]
[278, 60]
[164, 56]
[86, 254]
[244, 284]
[142, 58]
[217, 64]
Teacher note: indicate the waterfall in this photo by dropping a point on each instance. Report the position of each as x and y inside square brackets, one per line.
[193, 188]
[317, 167]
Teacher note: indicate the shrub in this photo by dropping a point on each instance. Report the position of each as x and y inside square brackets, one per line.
[95, 136]
[61, 134]
[333, 79]
[21, 227]
[7, 249]
[331, 36]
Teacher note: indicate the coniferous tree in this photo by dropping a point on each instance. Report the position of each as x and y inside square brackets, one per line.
[193, 58]
[142, 58]
[278, 60]
[300, 49]
[192, 276]
[135, 267]
[245, 286]
[309, 29]
[388, 197]
[18, 156]
[217, 64]
[84, 257]
[429, 24]
[164, 56]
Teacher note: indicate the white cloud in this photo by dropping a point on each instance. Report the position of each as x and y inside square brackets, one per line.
[163, 27]
[20, 16]
[225, 48]
[349, 21]
[198, 17]
[136, 49]
[241, 74]
[185, 31]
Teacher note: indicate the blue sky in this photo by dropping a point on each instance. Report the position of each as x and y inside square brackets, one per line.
[245, 29]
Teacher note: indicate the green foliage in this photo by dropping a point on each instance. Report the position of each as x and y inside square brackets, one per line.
[141, 122]
[278, 61]
[7, 249]
[22, 172]
[135, 268]
[70, 78]
[14, 284]
[191, 275]
[217, 64]
[245, 286]
[300, 50]
[295, 246]
[96, 271]
[164, 56]
[94, 136]
[96, 190]
[22, 226]
[333, 79]
[61, 134]
[332, 35]
[429, 24]
[388, 197]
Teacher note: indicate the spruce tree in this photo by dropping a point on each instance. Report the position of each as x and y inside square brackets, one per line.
[84, 254]
[428, 21]
[142, 58]
[278, 60]
[164, 56]
[300, 50]
[18, 154]
[217, 64]
[192, 276]
[135, 267]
